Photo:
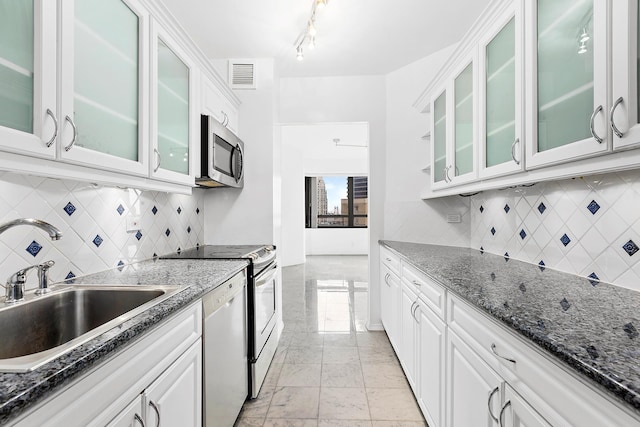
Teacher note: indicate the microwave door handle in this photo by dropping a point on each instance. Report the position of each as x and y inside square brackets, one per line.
[238, 152]
[231, 162]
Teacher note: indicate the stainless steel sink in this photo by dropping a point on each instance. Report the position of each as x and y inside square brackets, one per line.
[42, 328]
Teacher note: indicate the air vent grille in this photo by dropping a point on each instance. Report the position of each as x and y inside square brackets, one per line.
[242, 74]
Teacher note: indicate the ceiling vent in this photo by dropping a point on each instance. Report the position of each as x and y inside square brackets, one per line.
[242, 74]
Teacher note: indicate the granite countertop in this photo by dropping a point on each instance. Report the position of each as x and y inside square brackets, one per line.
[590, 326]
[21, 391]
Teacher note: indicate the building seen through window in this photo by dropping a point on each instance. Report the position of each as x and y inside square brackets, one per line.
[336, 202]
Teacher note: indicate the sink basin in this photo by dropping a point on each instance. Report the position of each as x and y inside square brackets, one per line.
[42, 328]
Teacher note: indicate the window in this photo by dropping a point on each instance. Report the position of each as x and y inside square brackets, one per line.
[336, 202]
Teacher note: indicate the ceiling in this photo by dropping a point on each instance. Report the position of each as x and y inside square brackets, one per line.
[355, 37]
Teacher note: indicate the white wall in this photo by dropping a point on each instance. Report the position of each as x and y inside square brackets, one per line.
[247, 216]
[309, 150]
[407, 217]
[348, 99]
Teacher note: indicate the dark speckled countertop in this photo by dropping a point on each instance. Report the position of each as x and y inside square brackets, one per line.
[592, 327]
[21, 391]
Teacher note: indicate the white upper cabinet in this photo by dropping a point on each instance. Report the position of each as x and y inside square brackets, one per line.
[216, 105]
[28, 114]
[566, 90]
[104, 84]
[175, 126]
[625, 111]
[500, 96]
[439, 144]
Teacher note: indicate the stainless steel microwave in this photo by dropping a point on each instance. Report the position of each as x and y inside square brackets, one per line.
[221, 156]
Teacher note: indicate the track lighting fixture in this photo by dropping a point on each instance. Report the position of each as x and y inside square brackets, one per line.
[309, 34]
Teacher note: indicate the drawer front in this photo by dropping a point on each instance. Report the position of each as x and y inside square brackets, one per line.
[390, 259]
[558, 394]
[432, 293]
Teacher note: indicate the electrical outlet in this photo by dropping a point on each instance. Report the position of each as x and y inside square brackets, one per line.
[454, 218]
[133, 224]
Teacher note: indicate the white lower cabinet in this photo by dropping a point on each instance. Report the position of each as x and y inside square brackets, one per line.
[473, 392]
[517, 412]
[130, 416]
[390, 309]
[410, 335]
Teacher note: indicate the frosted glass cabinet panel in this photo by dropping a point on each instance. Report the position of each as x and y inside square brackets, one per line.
[463, 124]
[16, 64]
[106, 77]
[439, 138]
[173, 111]
[569, 89]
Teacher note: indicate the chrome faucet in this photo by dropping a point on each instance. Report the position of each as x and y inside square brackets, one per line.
[16, 282]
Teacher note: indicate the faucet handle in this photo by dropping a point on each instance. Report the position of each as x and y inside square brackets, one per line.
[43, 277]
[14, 290]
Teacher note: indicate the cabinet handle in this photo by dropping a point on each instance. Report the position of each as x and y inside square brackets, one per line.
[388, 259]
[495, 390]
[415, 282]
[155, 150]
[593, 131]
[157, 410]
[501, 416]
[415, 309]
[386, 279]
[513, 154]
[55, 129]
[613, 123]
[446, 174]
[75, 133]
[493, 349]
[137, 418]
[225, 118]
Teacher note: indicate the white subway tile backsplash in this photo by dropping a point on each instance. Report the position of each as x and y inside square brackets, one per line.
[587, 226]
[93, 221]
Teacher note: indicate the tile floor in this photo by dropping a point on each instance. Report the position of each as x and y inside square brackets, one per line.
[329, 370]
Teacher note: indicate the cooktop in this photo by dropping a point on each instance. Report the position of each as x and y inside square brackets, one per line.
[220, 252]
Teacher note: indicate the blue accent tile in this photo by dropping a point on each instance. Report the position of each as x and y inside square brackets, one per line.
[120, 265]
[154, 210]
[70, 275]
[592, 352]
[541, 208]
[155, 255]
[120, 209]
[522, 288]
[69, 208]
[506, 256]
[523, 234]
[197, 211]
[139, 235]
[197, 245]
[630, 247]
[179, 250]
[481, 208]
[189, 229]
[593, 207]
[593, 279]
[631, 330]
[34, 248]
[481, 250]
[565, 304]
[179, 210]
[565, 239]
[493, 231]
[97, 240]
[507, 208]
[167, 232]
[541, 265]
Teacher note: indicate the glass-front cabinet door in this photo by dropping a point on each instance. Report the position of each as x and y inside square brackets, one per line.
[28, 113]
[104, 93]
[500, 94]
[625, 109]
[567, 91]
[462, 157]
[439, 141]
[173, 131]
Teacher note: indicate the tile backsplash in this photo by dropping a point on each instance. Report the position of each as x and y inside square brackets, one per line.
[93, 221]
[586, 226]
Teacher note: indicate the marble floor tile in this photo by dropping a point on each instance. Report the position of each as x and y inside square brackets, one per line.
[393, 404]
[295, 402]
[300, 375]
[340, 354]
[370, 355]
[387, 375]
[290, 423]
[373, 339]
[340, 340]
[343, 403]
[257, 407]
[307, 355]
[271, 379]
[399, 424]
[342, 375]
[281, 353]
[306, 339]
[344, 423]
[249, 422]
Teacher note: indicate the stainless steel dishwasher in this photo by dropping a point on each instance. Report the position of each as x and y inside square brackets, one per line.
[225, 373]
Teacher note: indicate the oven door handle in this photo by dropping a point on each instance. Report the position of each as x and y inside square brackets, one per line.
[267, 276]
[265, 260]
